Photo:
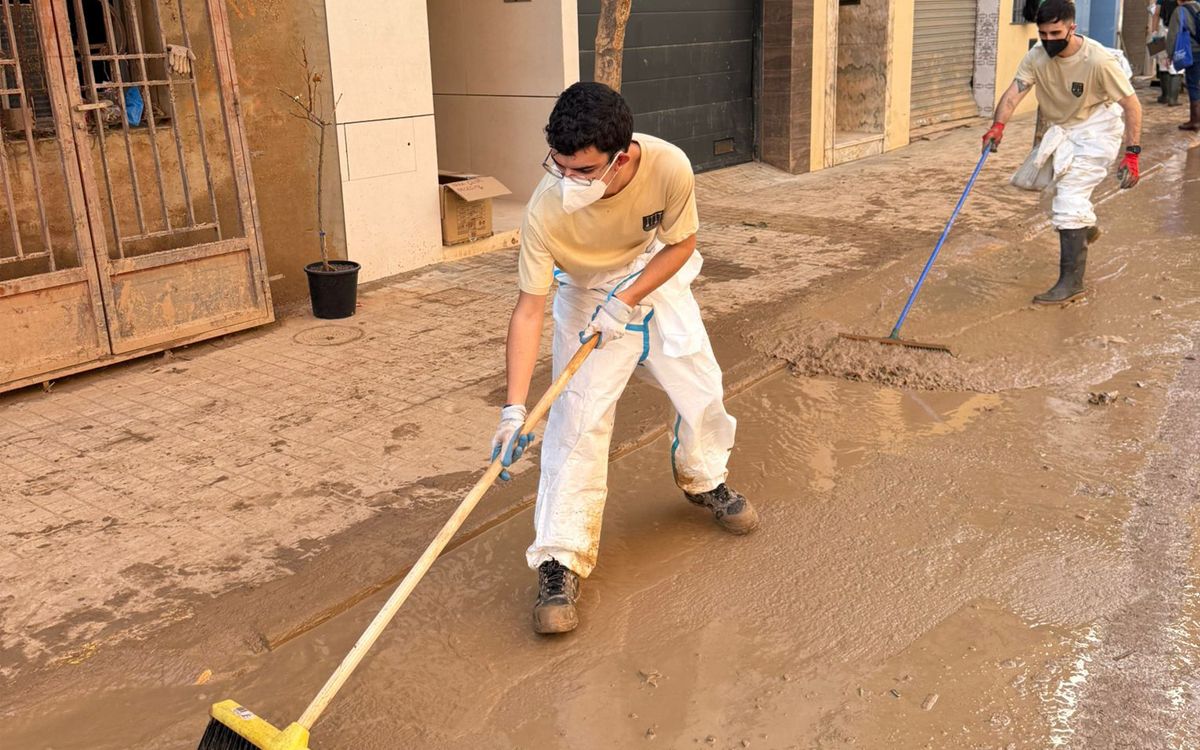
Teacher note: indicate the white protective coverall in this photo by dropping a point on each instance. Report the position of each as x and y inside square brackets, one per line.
[1076, 159]
[667, 344]
[1080, 157]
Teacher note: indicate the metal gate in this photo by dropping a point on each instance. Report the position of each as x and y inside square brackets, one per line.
[688, 73]
[943, 62]
[131, 221]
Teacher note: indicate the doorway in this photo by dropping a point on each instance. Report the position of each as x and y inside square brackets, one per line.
[124, 184]
[861, 103]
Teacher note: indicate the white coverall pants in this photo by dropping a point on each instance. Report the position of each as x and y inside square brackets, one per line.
[1082, 156]
[666, 343]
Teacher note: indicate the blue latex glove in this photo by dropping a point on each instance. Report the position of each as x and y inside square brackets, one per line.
[508, 438]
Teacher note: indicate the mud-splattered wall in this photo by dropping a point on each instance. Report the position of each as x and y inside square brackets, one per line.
[267, 38]
[862, 66]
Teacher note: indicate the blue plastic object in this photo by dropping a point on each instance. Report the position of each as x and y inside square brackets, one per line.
[1182, 54]
[895, 334]
[134, 106]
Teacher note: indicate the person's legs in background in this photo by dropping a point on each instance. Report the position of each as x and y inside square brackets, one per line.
[1192, 74]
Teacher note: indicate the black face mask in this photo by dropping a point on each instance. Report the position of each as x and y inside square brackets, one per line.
[1054, 47]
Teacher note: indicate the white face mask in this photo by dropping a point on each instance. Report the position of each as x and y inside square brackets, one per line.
[576, 195]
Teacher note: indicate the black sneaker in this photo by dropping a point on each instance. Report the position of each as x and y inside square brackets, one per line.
[558, 588]
[733, 512]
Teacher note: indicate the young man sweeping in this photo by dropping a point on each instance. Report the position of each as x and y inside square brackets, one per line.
[613, 227]
[1085, 93]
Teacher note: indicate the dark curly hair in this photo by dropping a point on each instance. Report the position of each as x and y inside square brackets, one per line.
[590, 114]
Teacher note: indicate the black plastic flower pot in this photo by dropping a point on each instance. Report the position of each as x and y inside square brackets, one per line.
[334, 293]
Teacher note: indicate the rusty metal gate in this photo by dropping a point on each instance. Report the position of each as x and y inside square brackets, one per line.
[130, 223]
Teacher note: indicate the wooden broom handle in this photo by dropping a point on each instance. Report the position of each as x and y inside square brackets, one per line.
[421, 567]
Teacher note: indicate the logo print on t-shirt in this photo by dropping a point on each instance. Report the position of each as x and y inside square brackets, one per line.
[651, 221]
[1077, 88]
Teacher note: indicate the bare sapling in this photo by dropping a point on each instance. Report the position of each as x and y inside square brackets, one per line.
[308, 106]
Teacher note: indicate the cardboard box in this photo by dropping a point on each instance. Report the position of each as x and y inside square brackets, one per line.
[467, 206]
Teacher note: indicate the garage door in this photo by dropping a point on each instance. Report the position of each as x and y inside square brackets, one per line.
[943, 61]
[688, 73]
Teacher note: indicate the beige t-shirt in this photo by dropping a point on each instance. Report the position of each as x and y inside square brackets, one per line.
[609, 234]
[1069, 89]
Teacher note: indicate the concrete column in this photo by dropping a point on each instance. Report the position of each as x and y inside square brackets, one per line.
[899, 76]
[987, 40]
[786, 104]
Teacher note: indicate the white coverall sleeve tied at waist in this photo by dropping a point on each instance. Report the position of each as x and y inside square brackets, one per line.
[1081, 157]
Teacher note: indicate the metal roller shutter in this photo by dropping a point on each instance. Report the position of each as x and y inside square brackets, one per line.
[688, 73]
[943, 61]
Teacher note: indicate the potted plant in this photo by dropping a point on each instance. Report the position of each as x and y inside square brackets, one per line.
[332, 284]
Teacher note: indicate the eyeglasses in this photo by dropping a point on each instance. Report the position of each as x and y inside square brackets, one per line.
[557, 172]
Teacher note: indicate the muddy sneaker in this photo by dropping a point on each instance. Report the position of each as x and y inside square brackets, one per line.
[558, 588]
[733, 512]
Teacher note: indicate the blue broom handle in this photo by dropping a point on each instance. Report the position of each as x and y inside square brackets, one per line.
[945, 232]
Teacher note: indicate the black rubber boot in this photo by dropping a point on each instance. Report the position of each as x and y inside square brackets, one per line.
[1071, 265]
[1174, 85]
[732, 511]
[558, 590]
[1163, 81]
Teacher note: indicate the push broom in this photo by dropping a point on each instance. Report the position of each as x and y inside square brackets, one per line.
[234, 727]
[894, 337]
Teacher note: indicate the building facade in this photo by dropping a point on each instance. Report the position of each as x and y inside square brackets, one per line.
[149, 202]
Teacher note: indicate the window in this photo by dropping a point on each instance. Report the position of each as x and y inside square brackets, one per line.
[108, 41]
[1018, 12]
[105, 55]
[22, 46]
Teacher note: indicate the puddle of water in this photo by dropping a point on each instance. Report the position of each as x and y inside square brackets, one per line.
[977, 679]
[741, 637]
[885, 420]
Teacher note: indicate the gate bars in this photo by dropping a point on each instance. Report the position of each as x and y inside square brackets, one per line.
[100, 96]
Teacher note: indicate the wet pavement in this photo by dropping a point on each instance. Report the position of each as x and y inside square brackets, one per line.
[993, 550]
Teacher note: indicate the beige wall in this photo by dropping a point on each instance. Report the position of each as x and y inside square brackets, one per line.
[999, 46]
[282, 148]
[824, 67]
[900, 54]
[379, 50]
[497, 68]
[1011, 45]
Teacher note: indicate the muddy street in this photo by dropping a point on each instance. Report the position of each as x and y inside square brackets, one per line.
[989, 550]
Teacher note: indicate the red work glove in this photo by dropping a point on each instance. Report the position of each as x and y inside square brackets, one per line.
[994, 135]
[1127, 173]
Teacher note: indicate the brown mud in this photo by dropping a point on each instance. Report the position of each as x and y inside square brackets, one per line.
[889, 568]
[954, 552]
[1139, 303]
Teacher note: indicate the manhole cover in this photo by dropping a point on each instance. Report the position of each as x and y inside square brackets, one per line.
[328, 335]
